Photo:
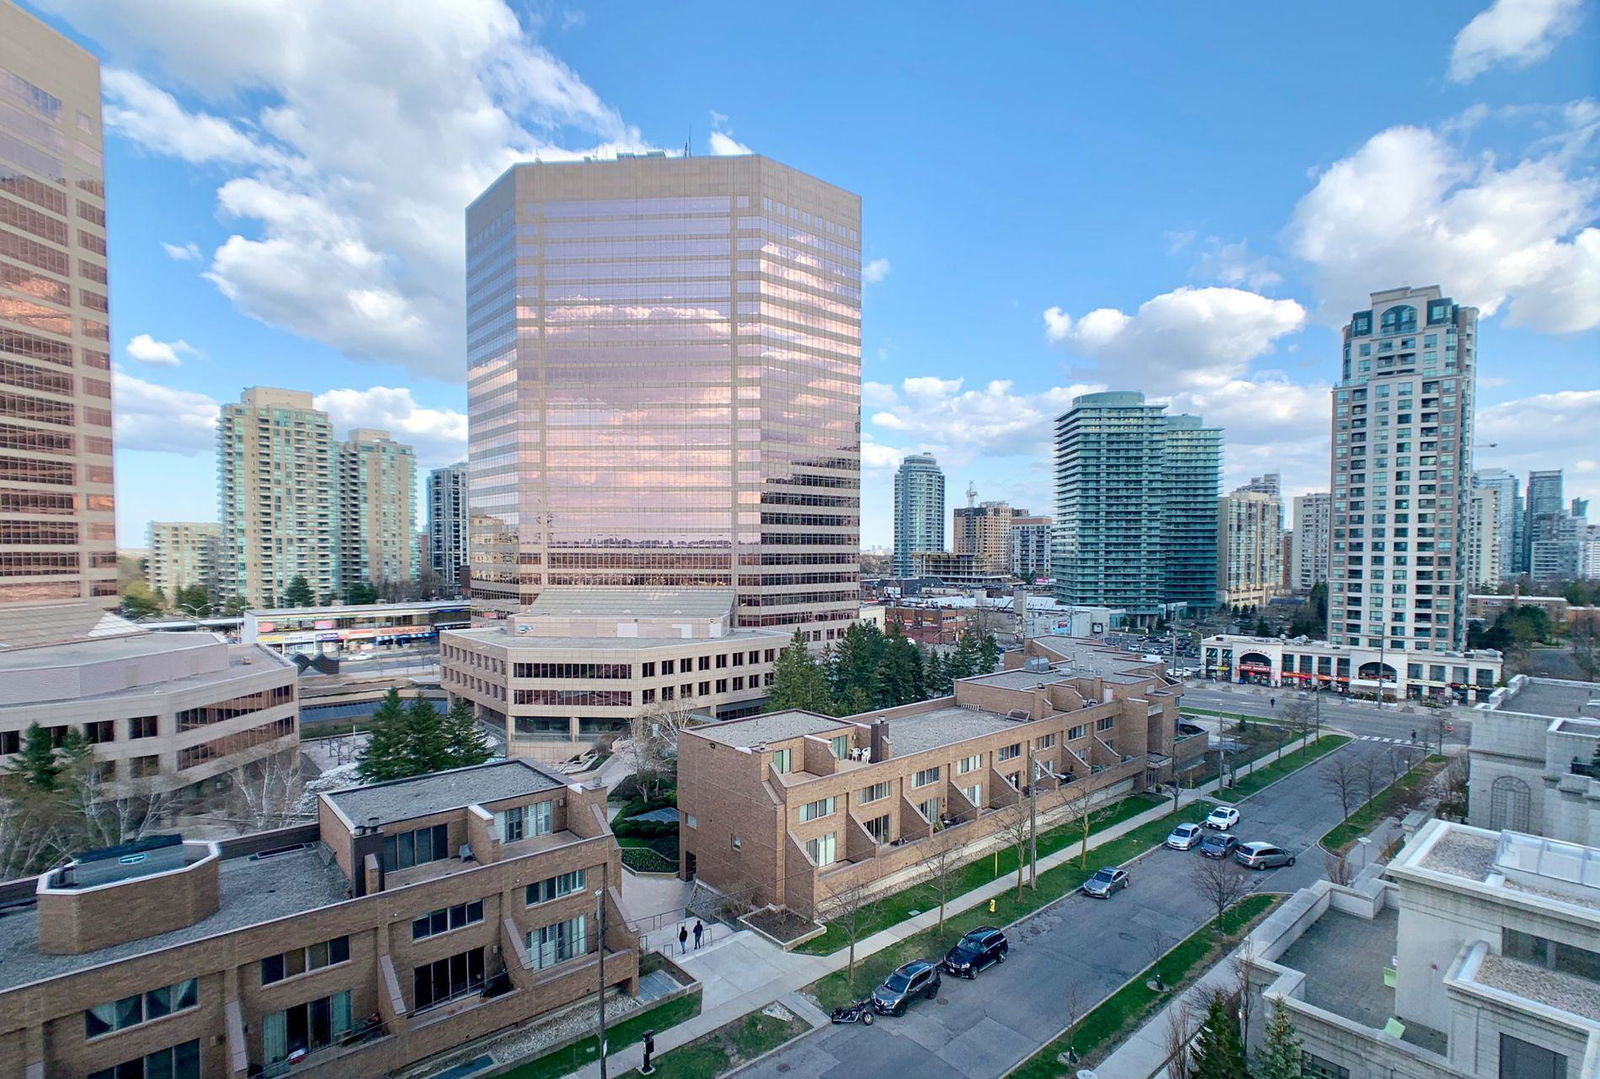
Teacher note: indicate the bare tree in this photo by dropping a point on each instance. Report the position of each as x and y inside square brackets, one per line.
[653, 742]
[1341, 779]
[1222, 882]
[30, 835]
[268, 793]
[1157, 947]
[1084, 810]
[853, 914]
[1076, 1005]
[1370, 775]
[1337, 866]
[1584, 641]
[1399, 758]
[943, 858]
[1014, 821]
[1179, 1033]
[1298, 714]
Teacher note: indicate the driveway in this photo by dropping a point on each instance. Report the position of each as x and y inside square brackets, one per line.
[976, 1030]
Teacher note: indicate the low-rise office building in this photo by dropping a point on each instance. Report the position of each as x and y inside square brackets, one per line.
[1300, 663]
[413, 916]
[793, 809]
[164, 711]
[581, 664]
[344, 631]
[1535, 745]
[1478, 959]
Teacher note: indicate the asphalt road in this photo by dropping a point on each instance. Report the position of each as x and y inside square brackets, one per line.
[976, 1030]
[1360, 718]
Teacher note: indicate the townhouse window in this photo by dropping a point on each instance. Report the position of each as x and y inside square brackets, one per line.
[406, 849]
[314, 1025]
[974, 793]
[780, 760]
[1105, 723]
[876, 792]
[327, 953]
[1077, 732]
[445, 919]
[929, 809]
[175, 1062]
[1045, 742]
[822, 807]
[924, 777]
[139, 1008]
[840, 746]
[1011, 752]
[445, 979]
[969, 764]
[822, 850]
[878, 828]
[520, 822]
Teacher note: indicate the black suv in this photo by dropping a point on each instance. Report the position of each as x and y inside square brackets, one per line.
[979, 950]
[918, 978]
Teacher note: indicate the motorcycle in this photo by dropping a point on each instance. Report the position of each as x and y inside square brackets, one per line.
[859, 1012]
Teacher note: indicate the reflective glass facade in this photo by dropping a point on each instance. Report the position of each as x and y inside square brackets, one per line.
[57, 512]
[918, 510]
[664, 373]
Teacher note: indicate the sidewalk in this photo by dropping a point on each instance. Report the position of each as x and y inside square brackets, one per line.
[744, 972]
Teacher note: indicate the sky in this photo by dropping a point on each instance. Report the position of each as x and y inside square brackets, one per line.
[1183, 199]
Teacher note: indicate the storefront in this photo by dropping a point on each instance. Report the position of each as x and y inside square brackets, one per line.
[1451, 677]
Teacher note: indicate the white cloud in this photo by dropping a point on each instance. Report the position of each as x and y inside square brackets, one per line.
[1410, 208]
[959, 425]
[152, 417]
[1187, 338]
[1235, 264]
[347, 148]
[1513, 32]
[147, 349]
[875, 271]
[721, 140]
[439, 435]
[1547, 430]
[189, 252]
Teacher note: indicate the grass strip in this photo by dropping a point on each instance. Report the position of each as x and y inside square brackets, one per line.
[1343, 836]
[727, 1047]
[836, 988]
[896, 908]
[1123, 1012]
[568, 1059]
[1283, 766]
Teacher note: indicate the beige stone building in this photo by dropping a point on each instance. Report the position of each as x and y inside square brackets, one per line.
[581, 663]
[664, 383]
[377, 479]
[183, 554]
[413, 917]
[57, 511]
[793, 808]
[164, 711]
[1250, 544]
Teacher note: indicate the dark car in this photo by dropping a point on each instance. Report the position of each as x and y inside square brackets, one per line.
[1106, 881]
[918, 978]
[1262, 856]
[978, 950]
[1219, 844]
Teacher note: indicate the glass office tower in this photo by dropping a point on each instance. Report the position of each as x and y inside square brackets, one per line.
[918, 509]
[664, 384]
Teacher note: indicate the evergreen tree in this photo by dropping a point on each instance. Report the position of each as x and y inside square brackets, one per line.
[385, 754]
[361, 593]
[1263, 629]
[464, 740]
[193, 600]
[426, 749]
[899, 677]
[989, 650]
[936, 677]
[1280, 1048]
[1219, 1051]
[37, 762]
[965, 661]
[798, 681]
[854, 669]
[299, 593]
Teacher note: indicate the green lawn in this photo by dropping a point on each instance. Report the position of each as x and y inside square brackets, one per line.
[836, 988]
[727, 1047]
[1290, 762]
[1343, 836]
[896, 908]
[630, 1030]
[1129, 1007]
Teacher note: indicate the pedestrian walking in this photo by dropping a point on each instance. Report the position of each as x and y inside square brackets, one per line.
[698, 931]
[683, 941]
[1413, 736]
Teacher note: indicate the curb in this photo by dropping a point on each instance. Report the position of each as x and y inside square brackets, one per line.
[1303, 767]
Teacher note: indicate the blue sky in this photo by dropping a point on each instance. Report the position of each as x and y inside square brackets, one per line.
[1178, 198]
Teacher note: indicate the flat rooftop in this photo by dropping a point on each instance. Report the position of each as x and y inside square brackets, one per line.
[405, 799]
[944, 727]
[59, 623]
[1571, 994]
[503, 636]
[358, 609]
[1550, 697]
[254, 890]
[633, 603]
[1533, 865]
[1343, 956]
[242, 660]
[1020, 678]
[769, 728]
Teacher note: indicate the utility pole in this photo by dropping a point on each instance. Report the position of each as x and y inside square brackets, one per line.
[600, 992]
[1033, 819]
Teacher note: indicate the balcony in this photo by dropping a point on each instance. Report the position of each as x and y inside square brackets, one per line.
[367, 1034]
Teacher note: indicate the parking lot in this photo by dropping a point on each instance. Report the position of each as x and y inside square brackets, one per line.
[979, 1029]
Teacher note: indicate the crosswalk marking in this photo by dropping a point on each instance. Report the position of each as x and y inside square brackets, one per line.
[1391, 741]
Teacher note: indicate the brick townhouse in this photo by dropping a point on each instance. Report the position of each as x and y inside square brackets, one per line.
[793, 808]
[413, 916]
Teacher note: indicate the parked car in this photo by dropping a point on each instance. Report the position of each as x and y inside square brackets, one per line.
[1262, 856]
[979, 950]
[1184, 837]
[1222, 818]
[918, 978]
[1105, 881]
[1219, 844]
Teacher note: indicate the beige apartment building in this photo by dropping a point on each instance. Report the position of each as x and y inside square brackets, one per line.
[1250, 544]
[664, 384]
[792, 808]
[580, 664]
[377, 479]
[1480, 560]
[164, 711]
[57, 510]
[275, 495]
[183, 554]
[413, 917]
